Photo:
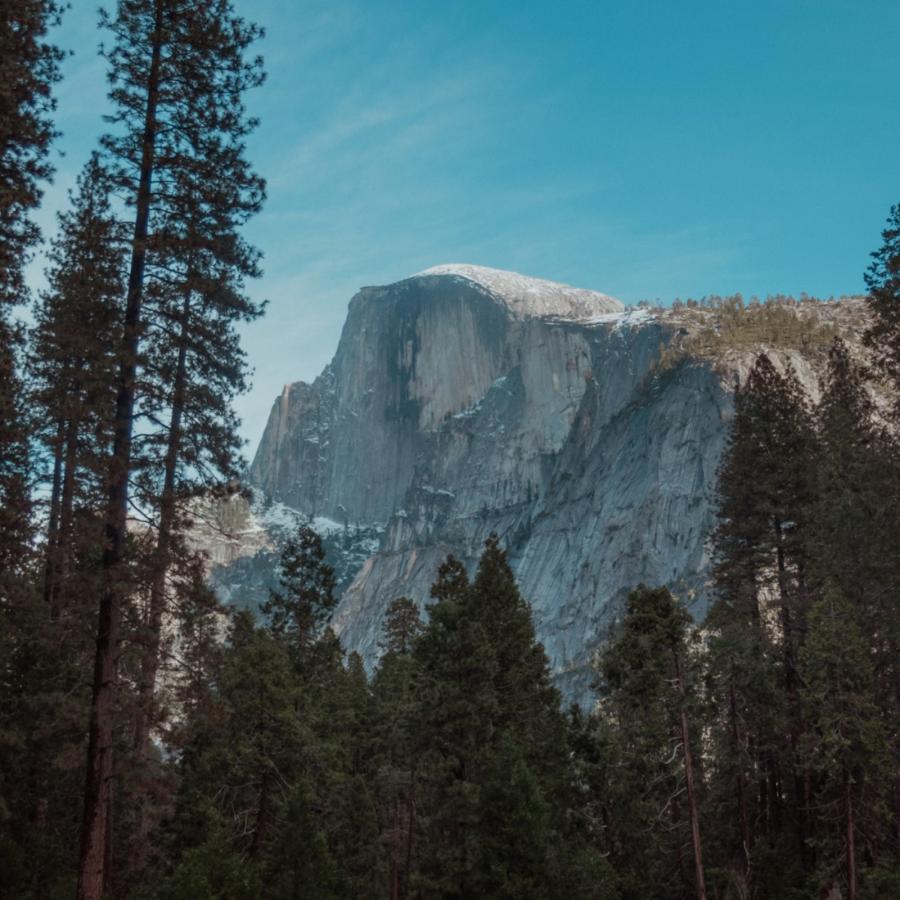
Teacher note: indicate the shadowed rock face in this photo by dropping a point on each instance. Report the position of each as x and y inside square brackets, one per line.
[461, 403]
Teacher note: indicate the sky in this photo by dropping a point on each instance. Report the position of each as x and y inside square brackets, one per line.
[648, 150]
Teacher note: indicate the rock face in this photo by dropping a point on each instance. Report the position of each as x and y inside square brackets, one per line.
[464, 401]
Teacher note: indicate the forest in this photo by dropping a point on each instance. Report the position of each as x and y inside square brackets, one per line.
[157, 744]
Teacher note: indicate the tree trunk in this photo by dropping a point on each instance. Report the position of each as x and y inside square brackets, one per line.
[51, 563]
[740, 787]
[91, 862]
[395, 867]
[410, 837]
[691, 794]
[59, 526]
[787, 625]
[67, 505]
[851, 839]
[261, 830]
[153, 625]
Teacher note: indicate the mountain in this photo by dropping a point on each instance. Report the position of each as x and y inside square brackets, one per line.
[464, 401]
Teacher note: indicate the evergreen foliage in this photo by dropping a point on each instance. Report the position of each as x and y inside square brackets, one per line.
[883, 282]
[306, 598]
[196, 751]
[29, 67]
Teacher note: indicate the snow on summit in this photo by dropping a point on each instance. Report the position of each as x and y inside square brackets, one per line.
[527, 296]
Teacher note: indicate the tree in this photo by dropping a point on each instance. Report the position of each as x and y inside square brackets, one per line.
[883, 282]
[485, 685]
[301, 866]
[846, 741]
[244, 750]
[74, 345]
[177, 74]
[766, 495]
[394, 695]
[457, 704]
[306, 599]
[29, 67]
[764, 491]
[645, 681]
[402, 625]
[855, 533]
[516, 858]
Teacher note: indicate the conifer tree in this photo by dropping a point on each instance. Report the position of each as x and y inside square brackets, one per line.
[485, 684]
[402, 625]
[647, 693]
[301, 866]
[78, 320]
[845, 742]
[457, 706]
[394, 689]
[855, 538]
[305, 600]
[177, 72]
[765, 498]
[29, 67]
[883, 282]
[246, 748]
[765, 488]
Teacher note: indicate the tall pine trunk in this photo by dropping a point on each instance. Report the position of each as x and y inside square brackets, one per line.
[66, 514]
[740, 784]
[851, 837]
[162, 552]
[263, 817]
[51, 562]
[691, 792]
[152, 627]
[92, 857]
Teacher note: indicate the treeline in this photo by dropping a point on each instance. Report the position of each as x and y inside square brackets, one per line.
[156, 745]
[714, 325]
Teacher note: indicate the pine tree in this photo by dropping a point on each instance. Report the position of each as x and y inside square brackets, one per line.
[457, 707]
[243, 746]
[73, 349]
[517, 850]
[845, 744]
[646, 687]
[765, 488]
[301, 866]
[883, 282]
[485, 685]
[394, 689]
[744, 717]
[306, 598]
[177, 73]
[402, 625]
[766, 495]
[855, 537]
[29, 67]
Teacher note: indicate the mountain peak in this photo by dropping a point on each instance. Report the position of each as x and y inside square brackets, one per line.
[527, 296]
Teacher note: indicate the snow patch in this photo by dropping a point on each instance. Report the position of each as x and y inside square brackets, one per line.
[526, 296]
[627, 318]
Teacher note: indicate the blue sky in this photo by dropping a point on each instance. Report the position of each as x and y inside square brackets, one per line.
[650, 150]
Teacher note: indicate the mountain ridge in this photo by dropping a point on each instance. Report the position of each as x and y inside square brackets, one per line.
[589, 443]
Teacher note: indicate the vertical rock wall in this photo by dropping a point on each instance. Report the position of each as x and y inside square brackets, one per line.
[453, 409]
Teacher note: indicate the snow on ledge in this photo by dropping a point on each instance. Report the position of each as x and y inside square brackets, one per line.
[627, 318]
[527, 296]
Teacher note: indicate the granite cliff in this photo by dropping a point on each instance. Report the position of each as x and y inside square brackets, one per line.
[464, 401]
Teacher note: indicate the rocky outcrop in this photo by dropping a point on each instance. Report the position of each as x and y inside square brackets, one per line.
[464, 401]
